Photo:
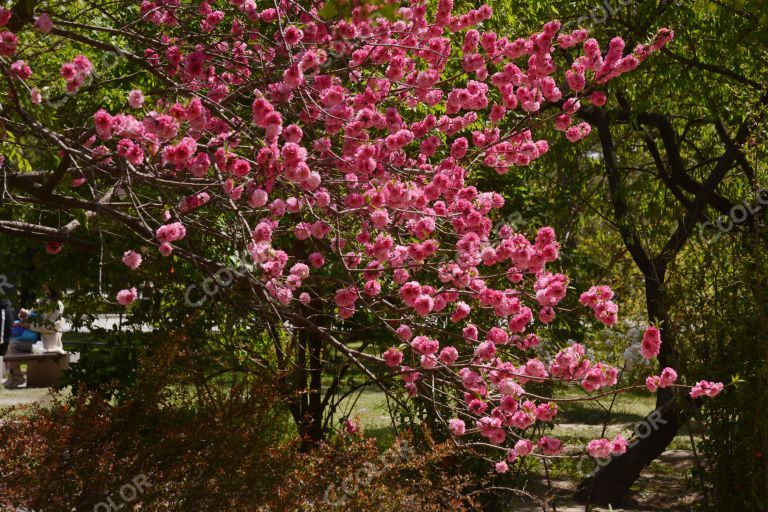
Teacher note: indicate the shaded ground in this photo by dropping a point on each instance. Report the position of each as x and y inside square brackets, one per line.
[664, 486]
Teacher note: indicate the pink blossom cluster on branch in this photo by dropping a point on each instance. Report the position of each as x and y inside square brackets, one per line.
[351, 145]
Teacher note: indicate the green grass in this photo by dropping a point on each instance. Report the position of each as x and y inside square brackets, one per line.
[367, 405]
[627, 408]
[370, 407]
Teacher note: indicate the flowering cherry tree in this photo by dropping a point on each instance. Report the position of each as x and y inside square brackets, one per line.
[340, 154]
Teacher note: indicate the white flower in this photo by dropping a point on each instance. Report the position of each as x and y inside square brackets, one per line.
[631, 356]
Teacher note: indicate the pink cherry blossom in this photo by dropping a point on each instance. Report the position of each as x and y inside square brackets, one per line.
[706, 388]
[667, 378]
[393, 357]
[550, 445]
[21, 70]
[8, 43]
[651, 343]
[523, 447]
[136, 98]
[448, 355]
[344, 153]
[126, 296]
[132, 259]
[456, 426]
[5, 16]
[44, 23]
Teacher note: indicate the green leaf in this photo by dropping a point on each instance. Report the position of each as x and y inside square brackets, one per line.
[329, 10]
[387, 10]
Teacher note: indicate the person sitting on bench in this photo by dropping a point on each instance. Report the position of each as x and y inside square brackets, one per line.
[22, 340]
[48, 326]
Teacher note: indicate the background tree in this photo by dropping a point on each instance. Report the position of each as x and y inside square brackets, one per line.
[678, 147]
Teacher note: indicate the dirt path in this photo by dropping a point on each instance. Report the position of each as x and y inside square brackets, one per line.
[11, 397]
[662, 487]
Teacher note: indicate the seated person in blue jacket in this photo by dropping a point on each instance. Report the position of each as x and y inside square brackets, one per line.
[20, 333]
[32, 327]
[22, 340]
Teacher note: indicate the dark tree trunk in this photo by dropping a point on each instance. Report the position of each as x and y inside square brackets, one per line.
[309, 413]
[309, 418]
[315, 407]
[610, 484]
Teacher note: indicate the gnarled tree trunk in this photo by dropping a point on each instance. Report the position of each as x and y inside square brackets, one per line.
[610, 485]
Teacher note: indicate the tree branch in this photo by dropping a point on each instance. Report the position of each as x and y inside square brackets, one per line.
[45, 233]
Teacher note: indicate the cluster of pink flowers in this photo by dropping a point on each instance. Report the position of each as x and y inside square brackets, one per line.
[604, 448]
[171, 232]
[179, 154]
[193, 202]
[599, 376]
[44, 23]
[8, 40]
[75, 72]
[577, 132]
[21, 70]
[706, 388]
[598, 298]
[8, 43]
[651, 344]
[168, 233]
[136, 98]
[667, 379]
[132, 259]
[131, 151]
[5, 16]
[127, 296]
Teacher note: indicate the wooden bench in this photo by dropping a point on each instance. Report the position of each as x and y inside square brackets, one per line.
[43, 370]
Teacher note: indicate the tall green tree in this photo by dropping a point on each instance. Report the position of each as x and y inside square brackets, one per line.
[680, 145]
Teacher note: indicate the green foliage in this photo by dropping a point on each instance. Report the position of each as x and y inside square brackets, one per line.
[110, 368]
[723, 314]
[334, 9]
